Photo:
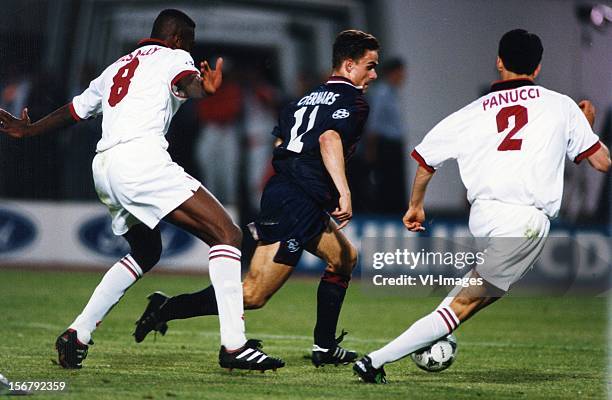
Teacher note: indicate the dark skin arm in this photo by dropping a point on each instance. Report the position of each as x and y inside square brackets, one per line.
[19, 128]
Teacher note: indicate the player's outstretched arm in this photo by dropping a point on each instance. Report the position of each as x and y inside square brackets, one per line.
[333, 158]
[415, 216]
[22, 127]
[205, 84]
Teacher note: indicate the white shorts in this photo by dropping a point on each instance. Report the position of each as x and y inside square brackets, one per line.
[514, 237]
[139, 182]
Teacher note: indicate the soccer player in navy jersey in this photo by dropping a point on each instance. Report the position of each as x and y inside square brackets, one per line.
[315, 137]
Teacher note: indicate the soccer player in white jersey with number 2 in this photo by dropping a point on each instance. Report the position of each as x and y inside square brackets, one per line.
[139, 183]
[510, 146]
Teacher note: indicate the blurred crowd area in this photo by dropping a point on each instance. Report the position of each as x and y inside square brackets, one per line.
[225, 141]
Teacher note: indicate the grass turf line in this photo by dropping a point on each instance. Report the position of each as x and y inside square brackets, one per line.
[549, 348]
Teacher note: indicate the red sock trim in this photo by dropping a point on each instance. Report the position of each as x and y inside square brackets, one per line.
[223, 252]
[133, 264]
[223, 256]
[448, 325]
[451, 318]
[126, 265]
[226, 248]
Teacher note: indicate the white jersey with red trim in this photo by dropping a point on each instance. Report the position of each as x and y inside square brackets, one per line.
[510, 144]
[137, 94]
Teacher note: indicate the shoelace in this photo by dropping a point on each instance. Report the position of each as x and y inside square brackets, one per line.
[340, 338]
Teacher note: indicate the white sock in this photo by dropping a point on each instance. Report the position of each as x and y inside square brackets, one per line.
[423, 332]
[224, 270]
[109, 291]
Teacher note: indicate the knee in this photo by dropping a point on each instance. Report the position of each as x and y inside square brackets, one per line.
[230, 235]
[253, 299]
[147, 257]
[345, 264]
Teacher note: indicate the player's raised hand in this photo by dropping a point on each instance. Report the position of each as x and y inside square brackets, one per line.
[14, 126]
[414, 218]
[589, 110]
[211, 78]
[344, 212]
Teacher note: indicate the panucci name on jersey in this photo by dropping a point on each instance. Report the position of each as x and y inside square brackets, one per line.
[316, 98]
[510, 96]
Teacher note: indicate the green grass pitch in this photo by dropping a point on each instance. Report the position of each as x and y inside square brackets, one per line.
[520, 348]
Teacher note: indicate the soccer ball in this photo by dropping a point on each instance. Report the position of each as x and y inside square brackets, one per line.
[438, 356]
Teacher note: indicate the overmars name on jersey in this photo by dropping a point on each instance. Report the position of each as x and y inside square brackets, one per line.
[510, 96]
[315, 98]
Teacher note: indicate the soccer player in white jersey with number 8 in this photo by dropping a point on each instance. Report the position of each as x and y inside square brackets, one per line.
[510, 146]
[139, 183]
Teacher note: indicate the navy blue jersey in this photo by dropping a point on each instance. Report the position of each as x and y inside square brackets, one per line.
[336, 105]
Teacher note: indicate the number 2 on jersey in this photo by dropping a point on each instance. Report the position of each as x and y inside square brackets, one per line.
[295, 142]
[121, 82]
[520, 120]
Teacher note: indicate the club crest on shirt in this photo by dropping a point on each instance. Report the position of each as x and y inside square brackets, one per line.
[340, 114]
[293, 245]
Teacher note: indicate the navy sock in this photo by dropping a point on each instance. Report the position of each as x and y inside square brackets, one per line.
[330, 296]
[190, 305]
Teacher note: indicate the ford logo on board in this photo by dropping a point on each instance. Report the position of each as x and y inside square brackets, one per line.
[96, 234]
[16, 231]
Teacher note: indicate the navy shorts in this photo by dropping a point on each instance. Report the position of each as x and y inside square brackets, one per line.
[290, 216]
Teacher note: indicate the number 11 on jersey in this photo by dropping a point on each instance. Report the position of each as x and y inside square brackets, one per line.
[295, 142]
